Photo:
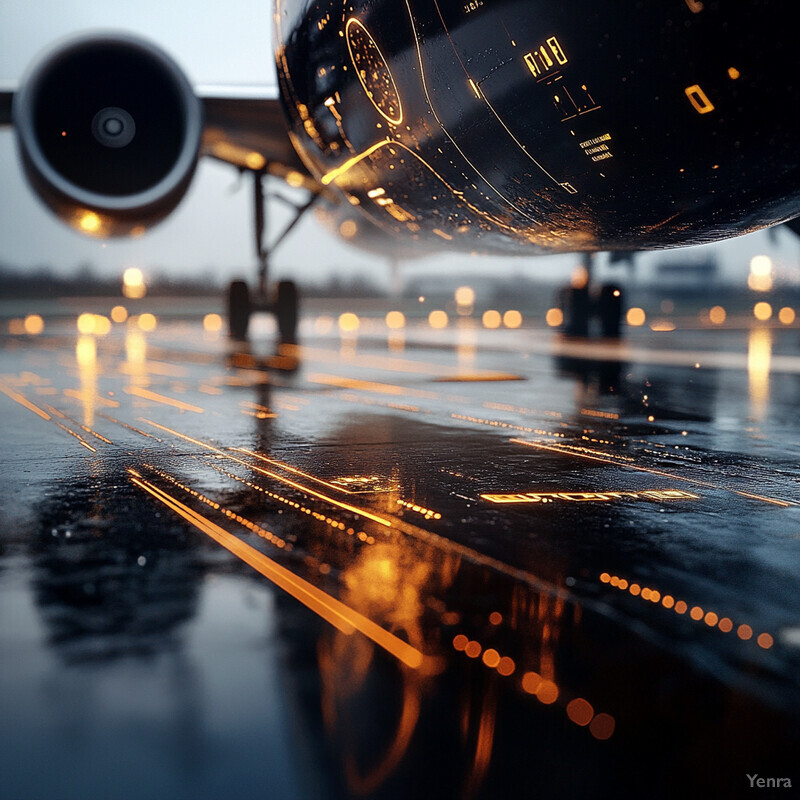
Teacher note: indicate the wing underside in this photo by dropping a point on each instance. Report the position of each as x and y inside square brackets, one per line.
[251, 133]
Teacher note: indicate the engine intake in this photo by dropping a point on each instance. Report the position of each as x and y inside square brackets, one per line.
[109, 131]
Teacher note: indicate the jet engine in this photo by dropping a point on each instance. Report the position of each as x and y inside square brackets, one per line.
[109, 132]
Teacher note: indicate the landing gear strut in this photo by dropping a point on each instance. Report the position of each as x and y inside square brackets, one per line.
[581, 306]
[284, 300]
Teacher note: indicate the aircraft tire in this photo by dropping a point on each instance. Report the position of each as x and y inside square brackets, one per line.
[238, 309]
[609, 311]
[576, 308]
[286, 311]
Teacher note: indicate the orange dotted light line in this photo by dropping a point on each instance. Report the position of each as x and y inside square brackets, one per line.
[333, 523]
[697, 613]
[426, 512]
[494, 423]
[252, 526]
[578, 710]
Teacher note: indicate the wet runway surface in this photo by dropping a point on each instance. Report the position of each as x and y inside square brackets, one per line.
[458, 563]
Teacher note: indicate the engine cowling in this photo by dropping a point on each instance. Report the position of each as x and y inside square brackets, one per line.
[109, 132]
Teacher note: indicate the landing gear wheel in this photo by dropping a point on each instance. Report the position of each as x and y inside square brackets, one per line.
[238, 309]
[576, 307]
[286, 312]
[609, 310]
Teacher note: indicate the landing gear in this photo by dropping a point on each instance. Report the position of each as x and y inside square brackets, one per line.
[609, 311]
[287, 308]
[582, 307]
[238, 310]
[284, 302]
[577, 311]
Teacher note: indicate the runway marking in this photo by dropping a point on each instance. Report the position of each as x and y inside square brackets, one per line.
[23, 401]
[339, 484]
[698, 614]
[479, 377]
[306, 489]
[618, 462]
[146, 394]
[250, 525]
[129, 427]
[651, 495]
[368, 386]
[80, 438]
[84, 397]
[496, 423]
[56, 413]
[328, 520]
[341, 616]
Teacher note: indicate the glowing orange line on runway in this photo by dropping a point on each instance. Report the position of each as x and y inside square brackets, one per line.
[129, 427]
[161, 398]
[609, 460]
[293, 470]
[367, 386]
[344, 618]
[77, 436]
[307, 490]
[92, 398]
[782, 503]
[23, 401]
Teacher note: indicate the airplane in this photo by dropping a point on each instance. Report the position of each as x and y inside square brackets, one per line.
[508, 126]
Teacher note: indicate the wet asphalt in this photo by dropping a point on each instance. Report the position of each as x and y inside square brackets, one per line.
[461, 563]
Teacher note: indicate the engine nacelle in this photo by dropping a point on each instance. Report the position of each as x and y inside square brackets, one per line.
[109, 131]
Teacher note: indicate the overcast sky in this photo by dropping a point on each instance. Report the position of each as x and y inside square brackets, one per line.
[211, 229]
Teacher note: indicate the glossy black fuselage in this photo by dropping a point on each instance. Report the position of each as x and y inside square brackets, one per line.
[517, 125]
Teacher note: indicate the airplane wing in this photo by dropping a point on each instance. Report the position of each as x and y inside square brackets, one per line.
[247, 128]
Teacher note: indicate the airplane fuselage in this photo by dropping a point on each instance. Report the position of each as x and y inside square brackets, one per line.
[509, 124]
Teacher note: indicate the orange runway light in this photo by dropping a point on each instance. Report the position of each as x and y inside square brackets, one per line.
[438, 319]
[602, 727]
[119, 314]
[212, 323]
[554, 317]
[33, 324]
[762, 311]
[580, 711]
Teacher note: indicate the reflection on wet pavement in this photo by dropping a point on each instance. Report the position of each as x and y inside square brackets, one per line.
[456, 563]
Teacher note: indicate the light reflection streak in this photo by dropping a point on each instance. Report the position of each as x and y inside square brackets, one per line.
[23, 401]
[330, 521]
[367, 386]
[759, 358]
[307, 490]
[618, 462]
[86, 356]
[135, 364]
[293, 470]
[146, 394]
[339, 615]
